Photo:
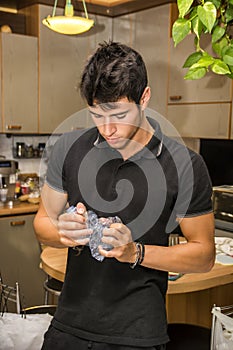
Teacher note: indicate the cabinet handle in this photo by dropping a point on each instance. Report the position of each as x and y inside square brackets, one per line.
[18, 223]
[223, 213]
[14, 127]
[175, 98]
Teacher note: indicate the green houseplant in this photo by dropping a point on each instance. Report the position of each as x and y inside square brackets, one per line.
[201, 17]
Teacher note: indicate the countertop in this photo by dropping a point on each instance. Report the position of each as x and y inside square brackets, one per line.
[54, 263]
[19, 208]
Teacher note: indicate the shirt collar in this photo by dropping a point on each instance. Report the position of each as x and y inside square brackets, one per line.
[151, 150]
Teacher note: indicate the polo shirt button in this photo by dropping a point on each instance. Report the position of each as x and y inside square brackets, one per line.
[89, 346]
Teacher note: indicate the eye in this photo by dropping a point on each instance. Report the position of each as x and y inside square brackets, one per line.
[97, 116]
[121, 116]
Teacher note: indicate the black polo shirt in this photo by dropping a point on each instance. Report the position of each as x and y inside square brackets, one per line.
[107, 301]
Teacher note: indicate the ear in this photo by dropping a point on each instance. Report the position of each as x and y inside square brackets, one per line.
[145, 98]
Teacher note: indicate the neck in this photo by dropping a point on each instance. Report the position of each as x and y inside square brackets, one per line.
[140, 139]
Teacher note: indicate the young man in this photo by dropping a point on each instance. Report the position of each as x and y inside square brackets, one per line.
[124, 167]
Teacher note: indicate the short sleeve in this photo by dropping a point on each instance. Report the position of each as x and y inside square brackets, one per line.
[54, 176]
[195, 190]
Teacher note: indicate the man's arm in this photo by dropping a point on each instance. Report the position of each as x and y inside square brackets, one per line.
[197, 255]
[45, 223]
[55, 228]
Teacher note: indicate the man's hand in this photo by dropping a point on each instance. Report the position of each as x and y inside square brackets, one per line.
[119, 236]
[72, 227]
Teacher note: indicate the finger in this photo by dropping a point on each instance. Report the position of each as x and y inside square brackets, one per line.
[70, 225]
[72, 217]
[76, 234]
[115, 237]
[70, 243]
[81, 209]
[107, 253]
[111, 241]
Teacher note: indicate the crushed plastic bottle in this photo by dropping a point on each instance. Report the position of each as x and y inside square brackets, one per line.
[97, 225]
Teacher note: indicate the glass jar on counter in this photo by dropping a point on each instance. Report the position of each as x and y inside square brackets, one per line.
[20, 149]
[25, 189]
[41, 148]
[29, 151]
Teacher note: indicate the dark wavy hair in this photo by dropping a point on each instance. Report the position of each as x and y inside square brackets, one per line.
[114, 71]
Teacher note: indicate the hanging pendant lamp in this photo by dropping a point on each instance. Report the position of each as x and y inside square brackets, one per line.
[68, 24]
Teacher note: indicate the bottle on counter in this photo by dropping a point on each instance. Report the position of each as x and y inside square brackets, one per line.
[17, 186]
[20, 149]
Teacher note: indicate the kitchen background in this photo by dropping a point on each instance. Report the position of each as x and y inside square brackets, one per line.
[40, 73]
[39, 97]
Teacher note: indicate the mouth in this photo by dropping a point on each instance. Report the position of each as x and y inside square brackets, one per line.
[112, 140]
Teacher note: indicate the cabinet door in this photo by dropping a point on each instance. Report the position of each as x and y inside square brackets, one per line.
[62, 59]
[147, 32]
[211, 88]
[20, 257]
[1, 122]
[201, 120]
[231, 136]
[19, 83]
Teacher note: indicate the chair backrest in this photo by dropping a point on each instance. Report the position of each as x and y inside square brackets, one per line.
[40, 309]
[9, 294]
[222, 327]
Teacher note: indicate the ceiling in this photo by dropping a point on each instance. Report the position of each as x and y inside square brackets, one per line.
[109, 8]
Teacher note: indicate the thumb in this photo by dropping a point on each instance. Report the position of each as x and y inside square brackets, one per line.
[81, 209]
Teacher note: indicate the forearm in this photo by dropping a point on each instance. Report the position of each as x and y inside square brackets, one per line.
[185, 258]
[47, 232]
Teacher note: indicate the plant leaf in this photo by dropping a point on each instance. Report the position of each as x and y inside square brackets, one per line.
[231, 74]
[228, 56]
[205, 61]
[197, 26]
[216, 3]
[180, 30]
[184, 6]
[218, 33]
[229, 13]
[193, 58]
[218, 47]
[219, 67]
[230, 2]
[194, 74]
[207, 14]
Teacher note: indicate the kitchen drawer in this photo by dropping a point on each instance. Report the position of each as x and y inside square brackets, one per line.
[20, 257]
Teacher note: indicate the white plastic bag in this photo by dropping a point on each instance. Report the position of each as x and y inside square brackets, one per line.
[222, 331]
[19, 333]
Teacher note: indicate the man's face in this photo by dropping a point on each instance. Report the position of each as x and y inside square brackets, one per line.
[118, 122]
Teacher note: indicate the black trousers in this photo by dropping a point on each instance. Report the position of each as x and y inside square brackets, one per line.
[55, 339]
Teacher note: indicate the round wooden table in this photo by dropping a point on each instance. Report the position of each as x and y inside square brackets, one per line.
[53, 262]
[189, 299]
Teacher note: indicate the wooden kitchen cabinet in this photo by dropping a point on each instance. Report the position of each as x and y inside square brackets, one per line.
[201, 120]
[147, 32]
[19, 81]
[20, 257]
[211, 88]
[231, 135]
[197, 108]
[62, 59]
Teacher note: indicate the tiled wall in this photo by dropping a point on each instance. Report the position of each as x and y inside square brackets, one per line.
[25, 165]
[35, 165]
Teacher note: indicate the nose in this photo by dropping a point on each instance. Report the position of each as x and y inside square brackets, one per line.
[109, 128]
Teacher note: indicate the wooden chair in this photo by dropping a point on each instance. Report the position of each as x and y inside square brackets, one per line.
[9, 294]
[53, 287]
[39, 309]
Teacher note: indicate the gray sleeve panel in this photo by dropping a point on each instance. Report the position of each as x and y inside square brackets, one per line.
[54, 176]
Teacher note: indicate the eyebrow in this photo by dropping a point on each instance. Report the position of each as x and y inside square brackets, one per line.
[111, 115]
